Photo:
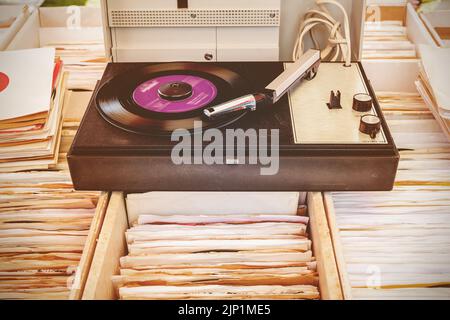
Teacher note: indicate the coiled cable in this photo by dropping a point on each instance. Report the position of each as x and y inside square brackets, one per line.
[339, 45]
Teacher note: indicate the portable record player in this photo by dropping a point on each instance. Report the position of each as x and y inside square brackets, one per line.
[327, 134]
[124, 140]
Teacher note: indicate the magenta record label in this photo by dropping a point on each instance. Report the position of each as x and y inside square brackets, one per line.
[147, 96]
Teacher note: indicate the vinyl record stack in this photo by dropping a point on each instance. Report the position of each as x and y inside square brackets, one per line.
[43, 222]
[84, 61]
[396, 243]
[238, 256]
[387, 40]
[81, 48]
[32, 97]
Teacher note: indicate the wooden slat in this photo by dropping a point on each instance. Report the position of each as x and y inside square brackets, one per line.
[337, 246]
[110, 247]
[89, 248]
[329, 283]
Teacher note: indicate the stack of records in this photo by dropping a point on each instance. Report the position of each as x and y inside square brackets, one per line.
[85, 63]
[395, 244]
[234, 257]
[193, 255]
[387, 40]
[433, 83]
[44, 223]
[31, 96]
[42, 237]
[84, 59]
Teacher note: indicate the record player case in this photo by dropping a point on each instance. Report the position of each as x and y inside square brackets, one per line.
[104, 157]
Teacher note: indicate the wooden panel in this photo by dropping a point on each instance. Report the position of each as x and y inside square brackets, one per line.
[89, 248]
[394, 75]
[337, 247]
[329, 283]
[28, 35]
[206, 203]
[111, 246]
[443, 32]
[386, 13]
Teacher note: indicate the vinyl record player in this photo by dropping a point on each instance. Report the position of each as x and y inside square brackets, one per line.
[331, 132]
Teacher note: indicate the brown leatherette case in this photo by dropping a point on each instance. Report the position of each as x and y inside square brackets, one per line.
[104, 157]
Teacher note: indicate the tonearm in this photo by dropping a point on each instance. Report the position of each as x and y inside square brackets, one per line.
[304, 68]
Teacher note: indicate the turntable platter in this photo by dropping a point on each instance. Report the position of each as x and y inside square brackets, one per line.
[160, 98]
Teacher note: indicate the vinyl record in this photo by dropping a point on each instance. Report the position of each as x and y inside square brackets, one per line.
[160, 98]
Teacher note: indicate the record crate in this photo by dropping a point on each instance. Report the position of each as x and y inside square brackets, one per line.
[112, 245]
[396, 74]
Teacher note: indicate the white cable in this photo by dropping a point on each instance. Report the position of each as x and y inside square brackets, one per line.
[338, 47]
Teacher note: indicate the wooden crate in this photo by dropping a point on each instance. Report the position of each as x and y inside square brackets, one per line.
[112, 245]
[84, 266]
[397, 75]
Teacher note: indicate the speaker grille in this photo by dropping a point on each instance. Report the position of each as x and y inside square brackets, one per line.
[165, 18]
